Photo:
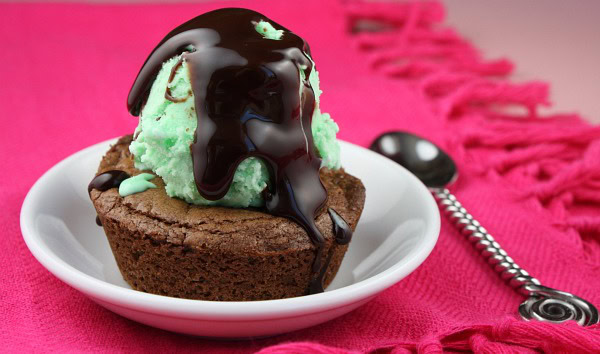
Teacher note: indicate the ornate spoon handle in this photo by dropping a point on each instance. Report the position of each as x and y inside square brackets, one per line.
[543, 303]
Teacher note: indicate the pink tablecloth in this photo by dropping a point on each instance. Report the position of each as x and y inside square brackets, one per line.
[66, 70]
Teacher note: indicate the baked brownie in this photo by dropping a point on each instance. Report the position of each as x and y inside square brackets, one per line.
[166, 246]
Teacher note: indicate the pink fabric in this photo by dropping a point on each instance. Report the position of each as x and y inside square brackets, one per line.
[532, 181]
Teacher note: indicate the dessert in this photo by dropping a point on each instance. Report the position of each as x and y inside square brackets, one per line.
[231, 186]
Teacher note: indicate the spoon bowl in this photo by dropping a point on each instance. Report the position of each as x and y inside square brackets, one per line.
[421, 157]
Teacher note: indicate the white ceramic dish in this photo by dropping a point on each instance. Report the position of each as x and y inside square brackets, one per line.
[397, 231]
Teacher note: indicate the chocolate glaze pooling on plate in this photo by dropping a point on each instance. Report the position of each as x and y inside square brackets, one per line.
[250, 101]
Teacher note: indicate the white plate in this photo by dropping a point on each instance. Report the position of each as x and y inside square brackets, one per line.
[397, 231]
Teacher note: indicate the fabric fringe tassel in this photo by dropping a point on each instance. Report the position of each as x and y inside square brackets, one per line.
[553, 159]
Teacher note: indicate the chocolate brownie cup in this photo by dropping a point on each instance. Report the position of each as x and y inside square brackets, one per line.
[166, 246]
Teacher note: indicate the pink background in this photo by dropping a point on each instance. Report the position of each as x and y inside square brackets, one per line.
[532, 182]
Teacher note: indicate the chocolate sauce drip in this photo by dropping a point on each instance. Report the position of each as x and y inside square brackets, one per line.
[341, 229]
[343, 235]
[105, 181]
[168, 95]
[316, 284]
[250, 102]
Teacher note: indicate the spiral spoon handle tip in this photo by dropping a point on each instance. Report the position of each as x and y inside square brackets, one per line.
[543, 303]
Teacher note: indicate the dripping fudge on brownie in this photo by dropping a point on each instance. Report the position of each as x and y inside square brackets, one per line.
[166, 246]
[249, 92]
[250, 81]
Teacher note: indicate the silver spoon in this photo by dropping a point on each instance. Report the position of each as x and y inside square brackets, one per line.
[437, 170]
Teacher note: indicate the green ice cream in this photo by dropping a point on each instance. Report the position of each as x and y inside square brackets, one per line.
[268, 31]
[136, 184]
[166, 130]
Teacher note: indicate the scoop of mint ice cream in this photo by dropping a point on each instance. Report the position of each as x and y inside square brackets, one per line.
[166, 130]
